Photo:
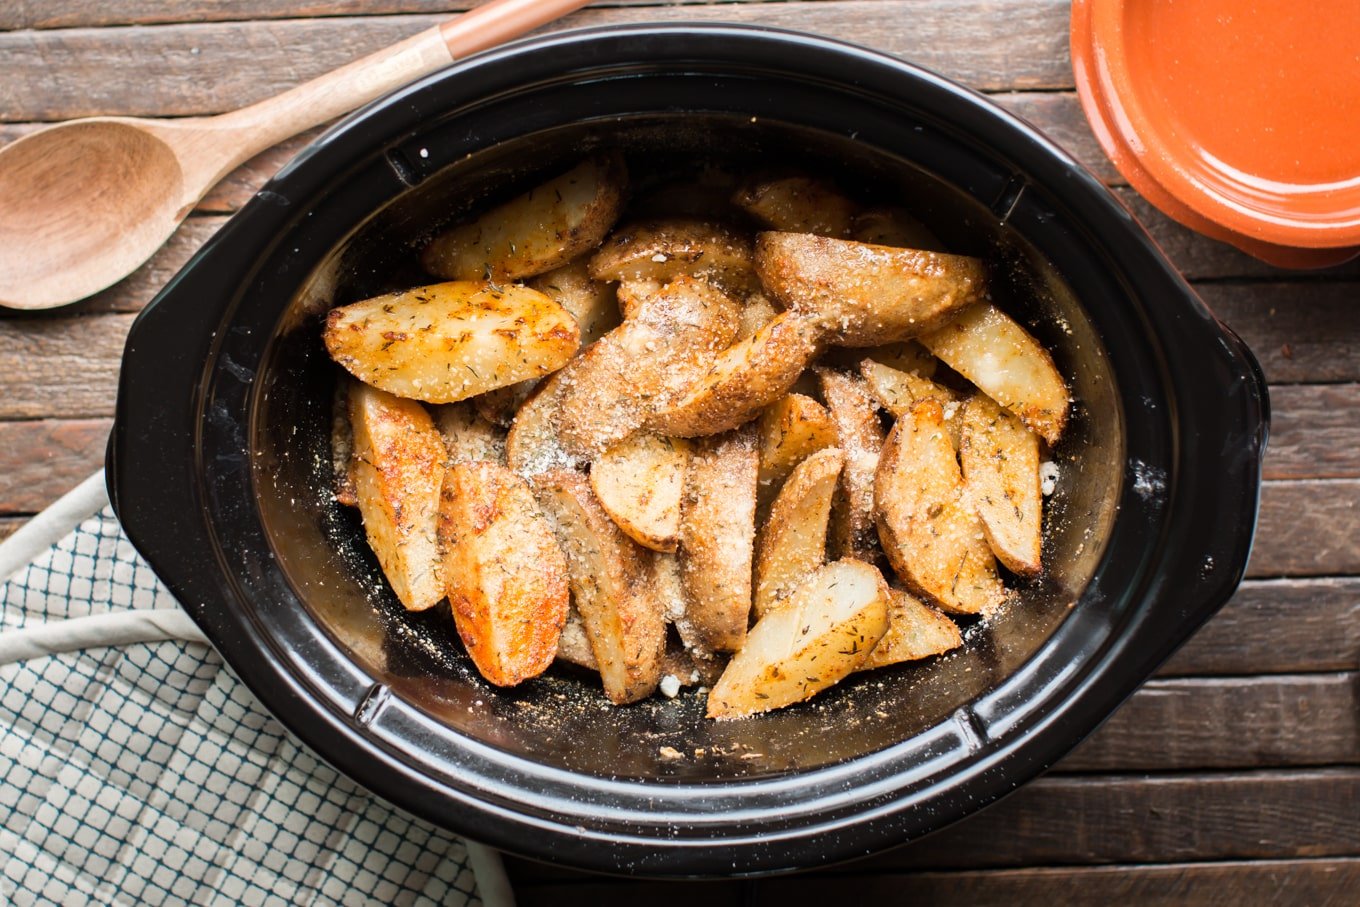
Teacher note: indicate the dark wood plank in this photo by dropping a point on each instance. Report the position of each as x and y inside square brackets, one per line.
[10, 524]
[1278, 626]
[179, 70]
[60, 366]
[1228, 723]
[1304, 331]
[1308, 529]
[1320, 883]
[1314, 432]
[40, 461]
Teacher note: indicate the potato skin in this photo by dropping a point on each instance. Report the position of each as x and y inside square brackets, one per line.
[540, 230]
[450, 341]
[798, 204]
[932, 536]
[505, 574]
[860, 435]
[398, 469]
[862, 294]
[658, 251]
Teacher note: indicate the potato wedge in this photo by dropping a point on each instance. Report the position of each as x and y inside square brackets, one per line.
[534, 444]
[506, 577]
[792, 543]
[742, 381]
[573, 646]
[672, 335]
[608, 572]
[898, 391]
[816, 637]
[862, 294]
[932, 536]
[591, 302]
[540, 230]
[499, 406]
[718, 527]
[1000, 459]
[905, 356]
[755, 314]
[986, 346]
[660, 251]
[860, 435]
[342, 446]
[895, 227]
[639, 482]
[915, 631]
[450, 341]
[790, 430]
[398, 473]
[798, 204]
[467, 436]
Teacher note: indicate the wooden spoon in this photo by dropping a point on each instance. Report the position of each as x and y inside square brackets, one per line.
[84, 203]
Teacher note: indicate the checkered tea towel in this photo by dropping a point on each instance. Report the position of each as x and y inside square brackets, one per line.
[136, 772]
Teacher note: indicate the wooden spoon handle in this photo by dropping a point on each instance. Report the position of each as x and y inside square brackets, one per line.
[269, 122]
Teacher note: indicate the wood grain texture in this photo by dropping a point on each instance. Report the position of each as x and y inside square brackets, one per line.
[10, 524]
[1319, 883]
[1308, 529]
[40, 461]
[1278, 626]
[187, 70]
[1228, 723]
[1314, 432]
[1300, 331]
[60, 366]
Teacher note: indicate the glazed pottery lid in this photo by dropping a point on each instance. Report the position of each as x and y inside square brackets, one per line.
[1239, 119]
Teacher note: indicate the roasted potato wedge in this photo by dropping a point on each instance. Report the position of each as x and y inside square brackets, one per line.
[931, 534]
[342, 446]
[987, 346]
[792, 543]
[398, 473]
[1000, 459]
[862, 294]
[798, 204]
[450, 341]
[898, 391]
[573, 646]
[540, 230]
[609, 586]
[860, 435]
[534, 444]
[639, 482]
[790, 430]
[672, 335]
[506, 577]
[499, 406]
[814, 638]
[755, 314]
[915, 631]
[894, 227]
[742, 381]
[718, 527]
[905, 356]
[467, 436]
[662, 250]
[591, 302]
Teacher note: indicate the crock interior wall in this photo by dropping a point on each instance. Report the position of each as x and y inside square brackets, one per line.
[562, 719]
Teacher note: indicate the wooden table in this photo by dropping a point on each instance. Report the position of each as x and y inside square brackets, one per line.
[1233, 777]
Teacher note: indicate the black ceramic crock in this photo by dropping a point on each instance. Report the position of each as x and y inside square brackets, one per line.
[218, 464]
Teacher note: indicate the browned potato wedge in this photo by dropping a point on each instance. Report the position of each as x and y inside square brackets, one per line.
[813, 639]
[862, 294]
[499, 406]
[790, 430]
[1000, 459]
[743, 380]
[860, 435]
[467, 436]
[798, 204]
[898, 391]
[591, 302]
[755, 314]
[895, 227]
[672, 335]
[505, 574]
[793, 540]
[342, 446]
[624, 622]
[534, 444]
[932, 536]
[986, 346]
[718, 527]
[915, 631]
[660, 251]
[573, 646]
[639, 483]
[398, 472]
[543, 229]
[905, 356]
[450, 341]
